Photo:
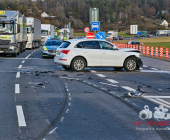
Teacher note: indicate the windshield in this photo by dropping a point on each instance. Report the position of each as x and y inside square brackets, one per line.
[28, 30]
[6, 28]
[55, 43]
[109, 34]
[44, 32]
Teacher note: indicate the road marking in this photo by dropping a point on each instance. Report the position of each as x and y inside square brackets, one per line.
[17, 90]
[158, 102]
[128, 88]
[69, 94]
[20, 66]
[67, 110]
[101, 75]
[70, 98]
[23, 61]
[168, 103]
[52, 130]
[92, 71]
[62, 119]
[69, 104]
[18, 75]
[108, 84]
[156, 97]
[112, 81]
[28, 56]
[20, 114]
[154, 69]
[145, 66]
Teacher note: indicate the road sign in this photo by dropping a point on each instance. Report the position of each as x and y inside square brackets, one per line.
[100, 35]
[95, 26]
[90, 35]
[86, 29]
[133, 29]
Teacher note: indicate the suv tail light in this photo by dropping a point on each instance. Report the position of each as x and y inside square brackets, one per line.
[65, 51]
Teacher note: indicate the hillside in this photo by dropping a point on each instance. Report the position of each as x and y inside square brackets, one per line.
[114, 14]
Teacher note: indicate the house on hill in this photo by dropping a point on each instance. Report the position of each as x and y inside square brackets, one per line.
[44, 14]
[164, 23]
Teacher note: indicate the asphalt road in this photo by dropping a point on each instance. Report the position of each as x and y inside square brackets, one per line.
[42, 101]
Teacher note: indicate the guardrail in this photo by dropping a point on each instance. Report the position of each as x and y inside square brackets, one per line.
[146, 50]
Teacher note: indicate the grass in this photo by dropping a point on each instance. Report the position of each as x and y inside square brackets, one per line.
[158, 41]
[80, 34]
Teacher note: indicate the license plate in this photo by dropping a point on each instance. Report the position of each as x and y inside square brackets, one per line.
[58, 53]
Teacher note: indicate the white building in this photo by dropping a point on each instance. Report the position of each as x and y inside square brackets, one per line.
[164, 23]
[44, 14]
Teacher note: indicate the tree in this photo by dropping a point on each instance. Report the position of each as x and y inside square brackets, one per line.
[153, 10]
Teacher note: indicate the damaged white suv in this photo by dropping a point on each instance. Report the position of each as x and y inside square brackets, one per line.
[80, 53]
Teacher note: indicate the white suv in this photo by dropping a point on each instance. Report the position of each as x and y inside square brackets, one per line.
[81, 53]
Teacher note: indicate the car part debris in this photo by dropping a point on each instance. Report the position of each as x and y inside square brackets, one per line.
[59, 103]
[148, 86]
[43, 71]
[137, 93]
[159, 89]
[91, 78]
[88, 91]
[46, 82]
[37, 74]
[43, 86]
[40, 84]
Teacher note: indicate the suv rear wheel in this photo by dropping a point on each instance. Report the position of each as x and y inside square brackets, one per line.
[78, 64]
[130, 64]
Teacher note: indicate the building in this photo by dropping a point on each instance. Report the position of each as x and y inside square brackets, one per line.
[164, 23]
[44, 14]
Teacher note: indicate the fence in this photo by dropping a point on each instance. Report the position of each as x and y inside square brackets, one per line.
[147, 50]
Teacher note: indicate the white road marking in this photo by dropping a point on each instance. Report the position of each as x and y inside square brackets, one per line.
[101, 75]
[154, 69]
[92, 71]
[67, 110]
[112, 81]
[128, 88]
[23, 61]
[145, 66]
[67, 89]
[163, 101]
[52, 130]
[70, 98]
[20, 114]
[69, 104]
[156, 97]
[20, 66]
[18, 75]
[108, 84]
[17, 90]
[158, 102]
[69, 94]
[62, 119]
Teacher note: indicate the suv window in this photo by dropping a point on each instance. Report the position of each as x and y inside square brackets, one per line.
[64, 44]
[79, 45]
[134, 43]
[105, 45]
[91, 45]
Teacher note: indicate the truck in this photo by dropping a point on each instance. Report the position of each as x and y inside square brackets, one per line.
[111, 34]
[33, 33]
[66, 33]
[13, 33]
[47, 32]
[161, 32]
[141, 34]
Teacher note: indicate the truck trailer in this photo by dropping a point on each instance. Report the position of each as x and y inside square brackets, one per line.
[47, 32]
[13, 33]
[33, 33]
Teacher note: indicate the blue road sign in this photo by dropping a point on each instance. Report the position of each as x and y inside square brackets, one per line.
[100, 35]
[95, 26]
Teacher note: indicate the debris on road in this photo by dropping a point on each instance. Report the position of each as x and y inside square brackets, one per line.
[79, 74]
[46, 82]
[148, 86]
[137, 93]
[91, 78]
[159, 89]
[43, 86]
[88, 91]
[59, 103]
[40, 84]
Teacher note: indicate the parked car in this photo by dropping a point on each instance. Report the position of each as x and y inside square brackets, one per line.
[80, 53]
[134, 43]
[49, 48]
[120, 37]
[114, 38]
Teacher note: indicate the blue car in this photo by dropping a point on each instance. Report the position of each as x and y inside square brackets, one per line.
[49, 48]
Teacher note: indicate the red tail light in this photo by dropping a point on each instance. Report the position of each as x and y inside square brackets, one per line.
[65, 51]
